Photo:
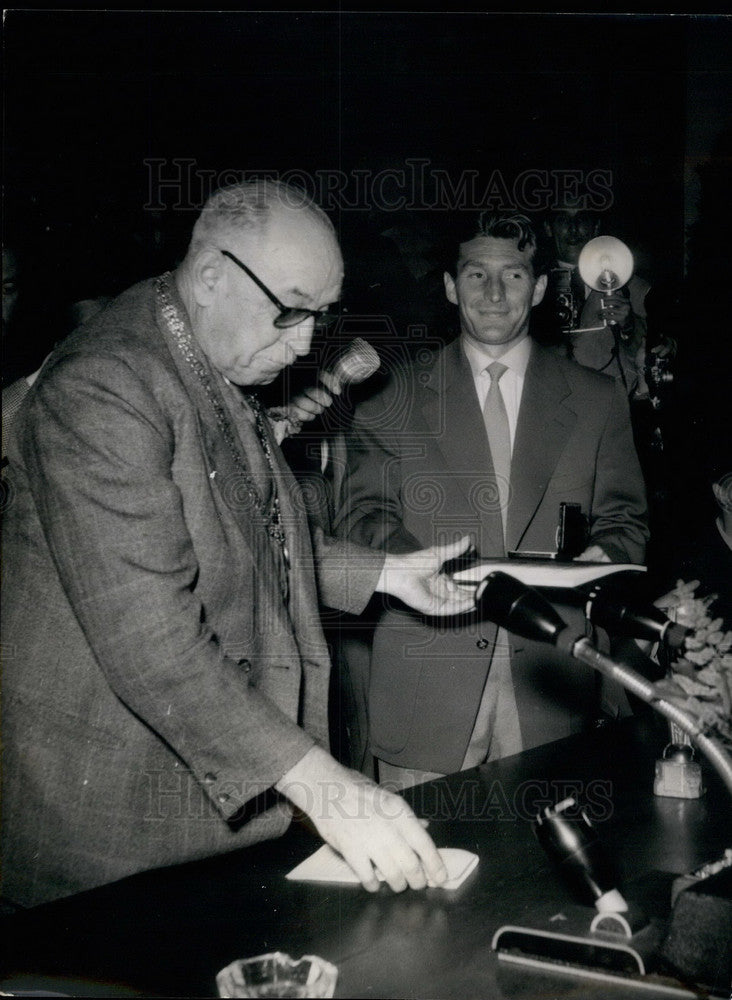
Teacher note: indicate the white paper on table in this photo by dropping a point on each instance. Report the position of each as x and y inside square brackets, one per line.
[326, 865]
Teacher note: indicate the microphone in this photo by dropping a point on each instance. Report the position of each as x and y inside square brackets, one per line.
[632, 619]
[522, 610]
[357, 363]
[575, 847]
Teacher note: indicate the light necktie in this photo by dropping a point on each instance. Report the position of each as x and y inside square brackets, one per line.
[497, 732]
[499, 437]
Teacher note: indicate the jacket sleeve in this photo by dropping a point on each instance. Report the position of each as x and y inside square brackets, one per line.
[98, 450]
[619, 519]
[347, 572]
[370, 511]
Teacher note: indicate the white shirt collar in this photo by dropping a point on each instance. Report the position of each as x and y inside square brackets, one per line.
[516, 359]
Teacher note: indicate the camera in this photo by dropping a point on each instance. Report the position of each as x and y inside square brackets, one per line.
[562, 299]
[564, 309]
[572, 531]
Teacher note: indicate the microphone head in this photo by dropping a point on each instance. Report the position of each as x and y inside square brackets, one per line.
[519, 609]
[632, 618]
[675, 635]
[356, 364]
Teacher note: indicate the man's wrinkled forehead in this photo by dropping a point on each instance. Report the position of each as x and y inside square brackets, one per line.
[495, 250]
[296, 239]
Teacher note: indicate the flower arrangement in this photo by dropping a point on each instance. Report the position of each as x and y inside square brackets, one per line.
[699, 680]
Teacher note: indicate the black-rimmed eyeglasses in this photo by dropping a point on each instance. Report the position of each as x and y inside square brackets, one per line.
[289, 315]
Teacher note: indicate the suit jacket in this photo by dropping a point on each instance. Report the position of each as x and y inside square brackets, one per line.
[420, 473]
[156, 683]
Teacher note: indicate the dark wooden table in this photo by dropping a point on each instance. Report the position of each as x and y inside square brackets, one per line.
[167, 932]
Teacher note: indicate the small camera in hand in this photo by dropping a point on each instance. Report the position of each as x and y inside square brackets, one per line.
[572, 531]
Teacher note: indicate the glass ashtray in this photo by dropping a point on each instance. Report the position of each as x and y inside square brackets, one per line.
[277, 975]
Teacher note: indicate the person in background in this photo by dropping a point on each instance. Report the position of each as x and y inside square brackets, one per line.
[11, 285]
[618, 349]
[16, 382]
[28, 343]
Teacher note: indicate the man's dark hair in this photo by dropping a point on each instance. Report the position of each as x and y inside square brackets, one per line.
[506, 227]
[509, 226]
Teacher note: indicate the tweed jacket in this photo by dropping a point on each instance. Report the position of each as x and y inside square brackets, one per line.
[155, 682]
[420, 472]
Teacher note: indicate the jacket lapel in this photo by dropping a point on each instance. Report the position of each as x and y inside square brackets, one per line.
[452, 412]
[195, 372]
[303, 603]
[545, 423]
[219, 432]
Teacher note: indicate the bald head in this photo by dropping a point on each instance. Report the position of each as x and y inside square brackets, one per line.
[244, 211]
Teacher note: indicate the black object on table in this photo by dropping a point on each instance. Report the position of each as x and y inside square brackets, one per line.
[168, 932]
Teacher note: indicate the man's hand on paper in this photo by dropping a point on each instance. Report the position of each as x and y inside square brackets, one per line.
[369, 826]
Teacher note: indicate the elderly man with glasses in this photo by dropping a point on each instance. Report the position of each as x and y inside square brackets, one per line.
[166, 677]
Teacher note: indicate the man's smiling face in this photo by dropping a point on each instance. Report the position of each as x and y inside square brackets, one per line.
[495, 290]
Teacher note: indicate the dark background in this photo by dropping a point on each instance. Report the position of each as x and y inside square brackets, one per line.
[99, 104]
[90, 96]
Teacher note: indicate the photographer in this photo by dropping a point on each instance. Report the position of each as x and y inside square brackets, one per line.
[604, 332]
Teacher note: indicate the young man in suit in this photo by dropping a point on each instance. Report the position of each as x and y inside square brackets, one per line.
[487, 436]
[165, 673]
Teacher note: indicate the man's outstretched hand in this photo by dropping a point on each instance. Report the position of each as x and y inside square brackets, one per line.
[417, 580]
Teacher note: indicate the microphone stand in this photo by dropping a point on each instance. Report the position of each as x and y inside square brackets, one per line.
[630, 679]
[525, 612]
